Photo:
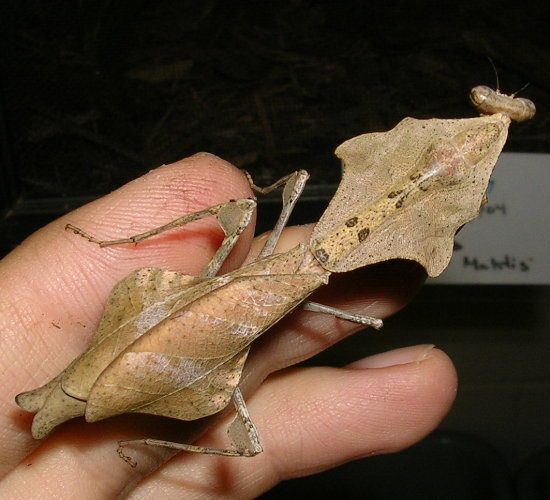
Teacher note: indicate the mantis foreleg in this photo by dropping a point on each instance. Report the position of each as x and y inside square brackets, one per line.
[294, 185]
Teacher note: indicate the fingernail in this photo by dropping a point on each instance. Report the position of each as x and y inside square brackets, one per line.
[400, 356]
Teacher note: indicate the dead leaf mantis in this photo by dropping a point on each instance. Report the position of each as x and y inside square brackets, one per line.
[175, 345]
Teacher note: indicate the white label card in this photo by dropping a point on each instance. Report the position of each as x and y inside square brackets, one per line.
[510, 241]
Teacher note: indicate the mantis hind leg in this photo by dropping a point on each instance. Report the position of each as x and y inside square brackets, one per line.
[242, 433]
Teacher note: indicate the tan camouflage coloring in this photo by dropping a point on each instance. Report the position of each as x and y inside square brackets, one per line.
[175, 345]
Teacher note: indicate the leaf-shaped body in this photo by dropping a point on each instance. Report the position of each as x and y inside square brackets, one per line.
[154, 303]
[188, 366]
[144, 297]
[404, 193]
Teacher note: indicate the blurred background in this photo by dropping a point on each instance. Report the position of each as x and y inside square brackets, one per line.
[95, 93]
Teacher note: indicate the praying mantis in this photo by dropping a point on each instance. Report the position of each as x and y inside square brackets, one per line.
[175, 345]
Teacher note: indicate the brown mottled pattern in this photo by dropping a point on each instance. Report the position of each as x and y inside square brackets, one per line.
[136, 304]
[195, 342]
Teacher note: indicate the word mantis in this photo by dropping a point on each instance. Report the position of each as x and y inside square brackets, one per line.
[175, 345]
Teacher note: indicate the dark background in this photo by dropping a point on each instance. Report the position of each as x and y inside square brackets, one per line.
[95, 93]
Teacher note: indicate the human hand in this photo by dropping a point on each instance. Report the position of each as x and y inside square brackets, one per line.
[54, 288]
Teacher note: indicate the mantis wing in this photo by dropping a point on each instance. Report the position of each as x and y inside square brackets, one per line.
[140, 299]
[188, 366]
